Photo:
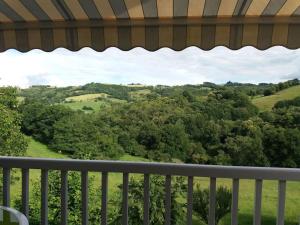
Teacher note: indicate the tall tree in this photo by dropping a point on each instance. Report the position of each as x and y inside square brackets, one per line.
[12, 141]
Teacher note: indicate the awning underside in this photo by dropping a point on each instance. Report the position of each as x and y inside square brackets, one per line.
[151, 24]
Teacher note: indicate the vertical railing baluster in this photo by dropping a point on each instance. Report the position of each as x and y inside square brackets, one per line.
[6, 187]
[168, 200]
[44, 197]
[84, 198]
[257, 202]
[235, 202]
[64, 197]
[104, 198]
[25, 192]
[146, 198]
[212, 201]
[281, 202]
[125, 199]
[190, 201]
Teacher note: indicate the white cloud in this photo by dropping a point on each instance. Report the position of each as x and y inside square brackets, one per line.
[165, 66]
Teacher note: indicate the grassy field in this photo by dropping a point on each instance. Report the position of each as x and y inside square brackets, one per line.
[266, 103]
[95, 105]
[38, 150]
[246, 195]
[91, 101]
[86, 97]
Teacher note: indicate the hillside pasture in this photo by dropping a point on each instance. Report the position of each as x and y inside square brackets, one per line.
[95, 105]
[93, 101]
[266, 103]
[86, 97]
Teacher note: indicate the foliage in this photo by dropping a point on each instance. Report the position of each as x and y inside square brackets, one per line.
[210, 124]
[157, 196]
[201, 202]
[51, 95]
[39, 119]
[282, 146]
[12, 141]
[54, 199]
[288, 103]
[87, 108]
[8, 97]
[84, 137]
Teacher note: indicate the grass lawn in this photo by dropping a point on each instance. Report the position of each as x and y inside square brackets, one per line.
[266, 103]
[269, 201]
[39, 150]
[246, 195]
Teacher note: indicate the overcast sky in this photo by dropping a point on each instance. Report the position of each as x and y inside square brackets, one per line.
[190, 66]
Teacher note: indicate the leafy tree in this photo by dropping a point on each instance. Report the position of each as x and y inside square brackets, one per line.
[201, 202]
[80, 135]
[8, 97]
[12, 141]
[157, 196]
[282, 146]
[246, 151]
[54, 199]
[149, 136]
[175, 140]
[269, 91]
[39, 119]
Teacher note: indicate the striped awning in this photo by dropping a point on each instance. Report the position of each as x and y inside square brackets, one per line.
[151, 24]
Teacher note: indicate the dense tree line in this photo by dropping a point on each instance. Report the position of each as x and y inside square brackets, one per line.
[262, 88]
[223, 127]
[116, 91]
[52, 95]
[288, 103]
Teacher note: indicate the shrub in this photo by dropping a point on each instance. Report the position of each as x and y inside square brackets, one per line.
[87, 108]
[201, 202]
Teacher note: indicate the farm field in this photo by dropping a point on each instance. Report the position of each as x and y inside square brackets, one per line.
[269, 201]
[267, 102]
[90, 101]
[95, 105]
[86, 97]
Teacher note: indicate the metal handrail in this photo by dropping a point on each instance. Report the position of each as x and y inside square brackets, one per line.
[175, 169]
[146, 168]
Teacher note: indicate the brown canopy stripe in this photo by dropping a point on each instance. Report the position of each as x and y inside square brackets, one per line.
[151, 24]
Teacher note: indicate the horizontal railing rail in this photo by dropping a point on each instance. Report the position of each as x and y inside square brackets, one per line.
[165, 169]
[242, 172]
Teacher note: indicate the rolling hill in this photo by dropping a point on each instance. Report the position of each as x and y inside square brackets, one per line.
[266, 103]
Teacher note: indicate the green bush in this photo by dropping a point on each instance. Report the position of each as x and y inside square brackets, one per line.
[201, 202]
[157, 197]
[54, 199]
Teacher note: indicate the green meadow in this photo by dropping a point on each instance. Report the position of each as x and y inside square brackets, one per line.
[266, 103]
[93, 101]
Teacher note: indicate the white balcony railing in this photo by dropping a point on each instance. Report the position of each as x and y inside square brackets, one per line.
[165, 169]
